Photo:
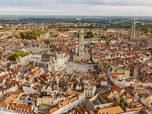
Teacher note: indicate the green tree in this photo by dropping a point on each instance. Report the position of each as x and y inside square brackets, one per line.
[18, 36]
[63, 29]
[148, 29]
[117, 100]
[122, 105]
[89, 34]
[32, 34]
[42, 32]
[150, 50]
[16, 54]
[4, 29]
[47, 41]
[107, 42]
[26, 43]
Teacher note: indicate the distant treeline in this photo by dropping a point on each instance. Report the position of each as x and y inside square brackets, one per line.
[94, 22]
[103, 20]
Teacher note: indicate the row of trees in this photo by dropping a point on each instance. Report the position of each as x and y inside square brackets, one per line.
[99, 20]
[16, 54]
[121, 102]
[145, 28]
[30, 34]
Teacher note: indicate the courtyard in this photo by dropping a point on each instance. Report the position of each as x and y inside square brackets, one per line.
[78, 67]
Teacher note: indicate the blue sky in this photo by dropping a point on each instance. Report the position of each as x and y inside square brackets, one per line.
[77, 7]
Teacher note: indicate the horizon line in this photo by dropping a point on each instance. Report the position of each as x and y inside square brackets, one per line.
[78, 15]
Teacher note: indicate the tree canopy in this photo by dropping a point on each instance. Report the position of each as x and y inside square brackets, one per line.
[122, 103]
[4, 29]
[89, 34]
[16, 54]
[47, 41]
[31, 34]
[63, 29]
[150, 50]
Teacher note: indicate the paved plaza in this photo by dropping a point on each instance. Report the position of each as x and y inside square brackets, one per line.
[79, 67]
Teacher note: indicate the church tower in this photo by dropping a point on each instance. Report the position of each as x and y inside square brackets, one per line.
[133, 28]
[81, 54]
[81, 43]
[42, 27]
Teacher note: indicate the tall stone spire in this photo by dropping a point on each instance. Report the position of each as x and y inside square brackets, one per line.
[82, 55]
[42, 27]
[81, 43]
[133, 29]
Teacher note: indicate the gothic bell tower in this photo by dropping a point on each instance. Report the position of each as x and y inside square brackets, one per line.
[81, 54]
[133, 28]
[81, 43]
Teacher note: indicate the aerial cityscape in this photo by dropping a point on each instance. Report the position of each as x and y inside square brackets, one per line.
[75, 57]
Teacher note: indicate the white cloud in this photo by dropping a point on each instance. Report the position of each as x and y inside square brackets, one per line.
[76, 7]
[97, 2]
